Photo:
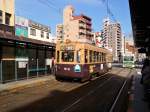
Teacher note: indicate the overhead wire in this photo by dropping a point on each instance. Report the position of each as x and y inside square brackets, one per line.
[50, 4]
[109, 12]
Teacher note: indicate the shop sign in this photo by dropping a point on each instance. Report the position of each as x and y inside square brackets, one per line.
[71, 47]
[22, 64]
[99, 39]
[21, 21]
[21, 31]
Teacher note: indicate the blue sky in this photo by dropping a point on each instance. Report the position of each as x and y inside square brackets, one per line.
[49, 12]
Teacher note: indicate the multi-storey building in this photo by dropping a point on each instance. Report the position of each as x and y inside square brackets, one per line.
[22, 57]
[76, 28]
[105, 32]
[38, 31]
[7, 12]
[59, 31]
[113, 38]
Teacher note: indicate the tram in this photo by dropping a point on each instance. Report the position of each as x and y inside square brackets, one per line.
[128, 61]
[81, 61]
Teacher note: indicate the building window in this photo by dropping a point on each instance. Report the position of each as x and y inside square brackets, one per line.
[47, 35]
[33, 32]
[7, 18]
[1, 18]
[42, 34]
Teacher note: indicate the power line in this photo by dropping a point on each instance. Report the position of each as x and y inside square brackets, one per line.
[50, 5]
[109, 12]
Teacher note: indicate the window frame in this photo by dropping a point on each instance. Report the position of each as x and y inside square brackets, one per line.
[67, 60]
[33, 31]
[7, 18]
[1, 17]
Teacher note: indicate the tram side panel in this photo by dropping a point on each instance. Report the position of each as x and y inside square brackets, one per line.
[80, 71]
[72, 71]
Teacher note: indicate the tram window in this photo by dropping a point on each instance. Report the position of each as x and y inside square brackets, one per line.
[90, 56]
[94, 56]
[97, 57]
[67, 56]
[104, 57]
[100, 57]
[57, 56]
[78, 56]
[86, 56]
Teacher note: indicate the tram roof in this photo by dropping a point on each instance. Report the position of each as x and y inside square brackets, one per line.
[84, 44]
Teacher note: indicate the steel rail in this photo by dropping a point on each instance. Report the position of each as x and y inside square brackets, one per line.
[90, 92]
[119, 94]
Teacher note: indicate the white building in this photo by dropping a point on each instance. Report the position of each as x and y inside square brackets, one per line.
[112, 38]
[30, 29]
[39, 31]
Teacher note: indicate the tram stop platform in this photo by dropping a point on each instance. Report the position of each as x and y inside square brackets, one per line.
[137, 102]
[17, 85]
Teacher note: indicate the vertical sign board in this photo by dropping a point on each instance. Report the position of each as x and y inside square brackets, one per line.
[99, 40]
[21, 26]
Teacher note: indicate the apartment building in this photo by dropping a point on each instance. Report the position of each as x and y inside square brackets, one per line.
[76, 27]
[113, 38]
[7, 12]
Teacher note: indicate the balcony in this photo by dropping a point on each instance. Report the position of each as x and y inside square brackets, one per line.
[81, 26]
[81, 33]
[88, 22]
[88, 28]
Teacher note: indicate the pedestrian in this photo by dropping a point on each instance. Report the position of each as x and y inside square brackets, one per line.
[144, 69]
[53, 65]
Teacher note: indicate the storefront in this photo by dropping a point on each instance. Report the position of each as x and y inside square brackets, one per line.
[23, 58]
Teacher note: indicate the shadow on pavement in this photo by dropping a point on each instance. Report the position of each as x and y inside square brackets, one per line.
[57, 100]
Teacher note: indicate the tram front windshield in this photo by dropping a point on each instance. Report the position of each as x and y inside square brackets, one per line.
[128, 58]
[67, 56]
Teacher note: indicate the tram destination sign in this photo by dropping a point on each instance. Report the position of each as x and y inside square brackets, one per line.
[68, 47]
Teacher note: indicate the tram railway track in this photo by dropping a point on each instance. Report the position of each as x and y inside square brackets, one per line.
[68, 108]
[67, 96]
[116, 106]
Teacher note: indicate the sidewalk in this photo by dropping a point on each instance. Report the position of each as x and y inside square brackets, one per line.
[136, 102]
[17, 85]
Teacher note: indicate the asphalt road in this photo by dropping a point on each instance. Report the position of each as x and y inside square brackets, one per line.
[67, 96]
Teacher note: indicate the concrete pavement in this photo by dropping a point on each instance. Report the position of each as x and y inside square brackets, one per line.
[22, 84]
[136, 102]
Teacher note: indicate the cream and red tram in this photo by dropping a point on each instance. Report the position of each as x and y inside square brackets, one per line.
[80, 60]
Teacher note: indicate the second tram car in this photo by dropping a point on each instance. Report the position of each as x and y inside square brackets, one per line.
[81, 60]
